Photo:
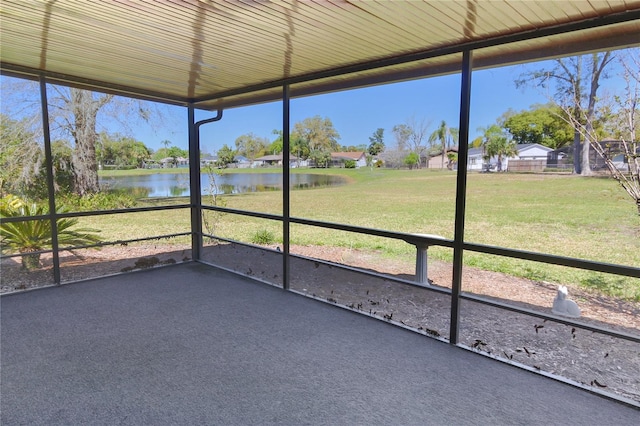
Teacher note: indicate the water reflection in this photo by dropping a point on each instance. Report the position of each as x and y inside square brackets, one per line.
[177, 184]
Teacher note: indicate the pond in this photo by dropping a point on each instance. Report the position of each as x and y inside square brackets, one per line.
[177, 184]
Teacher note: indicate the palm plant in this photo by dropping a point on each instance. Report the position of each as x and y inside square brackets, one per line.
[31, 236]
[446, 136]
[497, 144]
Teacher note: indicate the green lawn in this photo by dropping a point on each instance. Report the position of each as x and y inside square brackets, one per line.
[588, 218]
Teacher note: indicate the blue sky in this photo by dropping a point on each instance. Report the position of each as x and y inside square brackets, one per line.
[356, 114]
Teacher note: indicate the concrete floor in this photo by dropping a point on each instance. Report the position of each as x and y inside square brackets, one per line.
[190, 344]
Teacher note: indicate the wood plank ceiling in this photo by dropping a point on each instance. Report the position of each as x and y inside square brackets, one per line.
[228, 53]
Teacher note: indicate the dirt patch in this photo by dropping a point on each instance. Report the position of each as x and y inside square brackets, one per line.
[597, 360]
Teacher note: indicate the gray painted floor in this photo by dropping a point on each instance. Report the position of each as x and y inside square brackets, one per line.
[190, 344]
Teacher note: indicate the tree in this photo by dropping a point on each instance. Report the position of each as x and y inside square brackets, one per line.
[417, 136]
[576, 80]
[446, 136]
[318, 133]
[453, 160]
[546, 125]
[353, 148]
[174, 152]
[73, 115]
[136, 152]
[251, 146]
[83, 107]
[402, 133]
[320, 158]
[121, 151]
[624, 113]
[411, 160]
[225, 156]
[629, 106]
[376, 142]
[316, 136]
[411, 135]
[21, 157]
[497, 144]
[298, 146]
[62, 154]
[160, 154]
[277, 145]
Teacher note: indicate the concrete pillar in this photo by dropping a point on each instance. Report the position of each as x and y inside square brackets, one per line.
[421, 264]
[421, 257]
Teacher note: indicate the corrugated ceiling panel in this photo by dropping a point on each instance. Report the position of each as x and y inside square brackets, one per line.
[190, 49]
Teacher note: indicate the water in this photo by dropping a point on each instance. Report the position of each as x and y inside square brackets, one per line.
[177, 184]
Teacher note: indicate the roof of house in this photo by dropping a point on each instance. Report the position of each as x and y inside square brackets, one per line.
[472, 152]
[224, 54]
[172, 159]
[521, 147]
[347, 155]
[439, 153]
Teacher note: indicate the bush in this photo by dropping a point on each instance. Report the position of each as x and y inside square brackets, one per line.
[263, 237]
[97, 201]
[31, 236]
[350, 164]
[411, 160]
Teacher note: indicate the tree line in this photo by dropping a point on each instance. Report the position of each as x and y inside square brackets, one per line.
[313, 138]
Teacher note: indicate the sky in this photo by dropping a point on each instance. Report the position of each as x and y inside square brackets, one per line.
[356, 114]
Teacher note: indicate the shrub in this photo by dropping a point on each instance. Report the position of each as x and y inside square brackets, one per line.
[411, 160]
[263, 237]
[350, 164]
[97, 201]
[35, 235]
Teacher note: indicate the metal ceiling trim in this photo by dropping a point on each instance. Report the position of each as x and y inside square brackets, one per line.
[19, 71]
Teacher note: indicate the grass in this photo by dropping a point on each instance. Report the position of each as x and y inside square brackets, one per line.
[263, 237]
[587, 218]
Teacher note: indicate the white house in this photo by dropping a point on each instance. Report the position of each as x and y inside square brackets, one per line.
[474, 159]
[526, 151]
[241, 162]
[338, 158]
[275, 160]
[532, 151]
[532, 156]
[169, 162]
[208, 160]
